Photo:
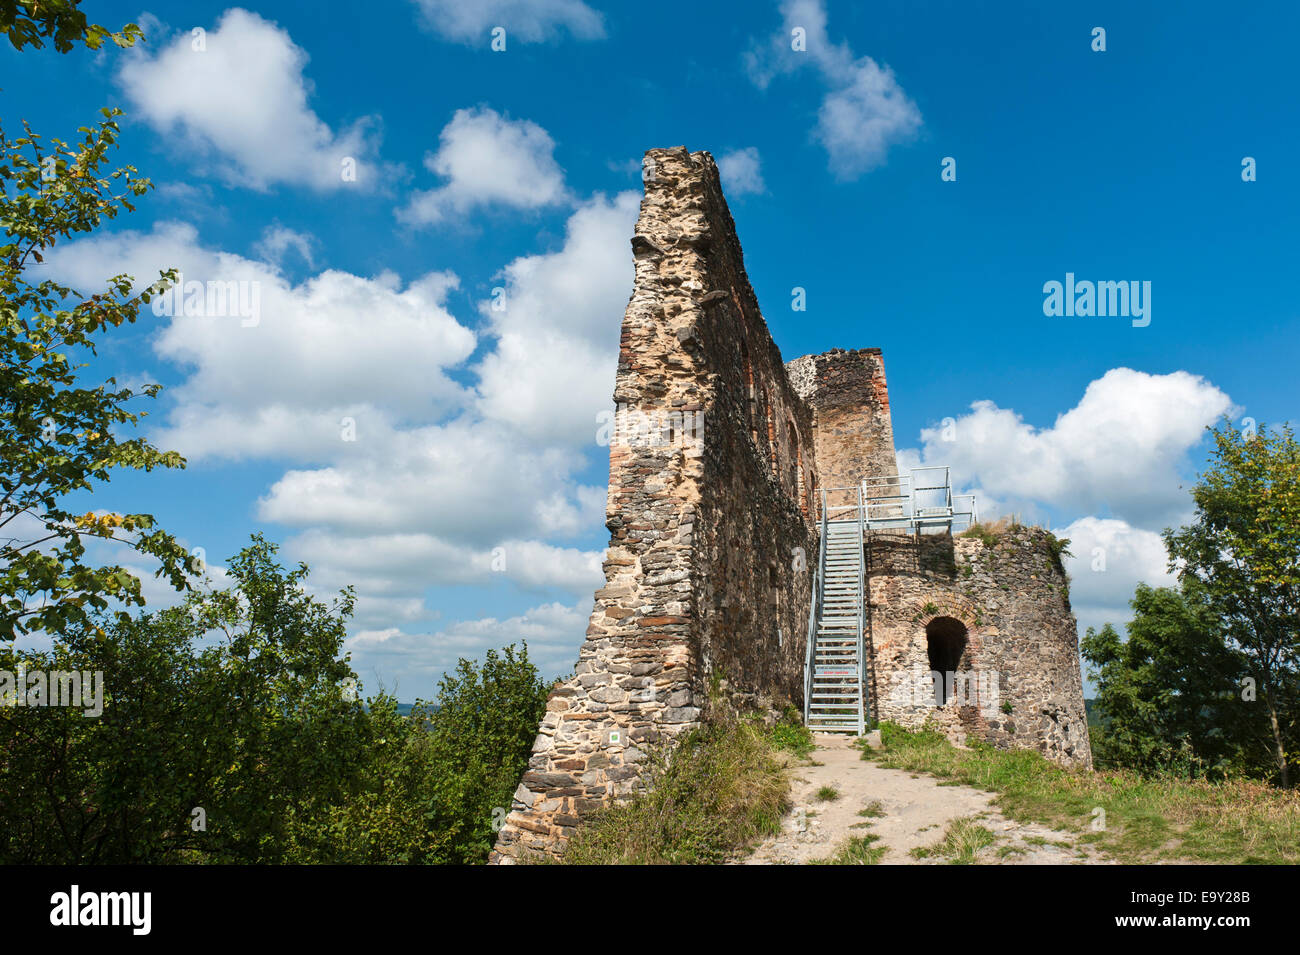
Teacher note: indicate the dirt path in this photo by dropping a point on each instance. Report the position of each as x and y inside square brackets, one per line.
[906, 813]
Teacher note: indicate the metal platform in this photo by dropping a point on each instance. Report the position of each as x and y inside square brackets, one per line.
[920, 501]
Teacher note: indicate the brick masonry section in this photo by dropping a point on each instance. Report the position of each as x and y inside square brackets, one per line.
[712, 524]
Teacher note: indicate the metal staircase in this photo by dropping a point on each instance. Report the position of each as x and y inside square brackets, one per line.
[835, 670]
[835, 698]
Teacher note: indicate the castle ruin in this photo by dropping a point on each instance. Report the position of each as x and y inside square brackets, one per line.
[730, 471]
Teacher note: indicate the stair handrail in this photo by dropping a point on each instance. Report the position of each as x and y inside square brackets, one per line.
[814, 599]
[862, 607]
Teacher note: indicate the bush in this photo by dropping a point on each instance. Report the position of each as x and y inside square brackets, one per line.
[232, 732]
[435, 781]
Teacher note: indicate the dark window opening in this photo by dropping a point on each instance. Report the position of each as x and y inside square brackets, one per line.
[945, 640]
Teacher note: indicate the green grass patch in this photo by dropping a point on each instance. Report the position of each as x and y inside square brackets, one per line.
[827, 793]
[873, 810]
[983, 532]
[961, 842]
[858, 850]
[792, 736]
[712, 797]
[1146, 819]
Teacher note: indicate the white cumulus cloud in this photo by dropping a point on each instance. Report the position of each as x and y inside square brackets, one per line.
[1108, 559]
[741, 172]
[1121, 451]
[530, 21]
[237, 94]
[278, 241]
[557, 326]
[276, 374]
[864, 111]
[488, 159]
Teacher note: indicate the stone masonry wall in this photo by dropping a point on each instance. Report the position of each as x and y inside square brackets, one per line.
[1021, 656]
[849, 399]
[710, 477]
[754, 528]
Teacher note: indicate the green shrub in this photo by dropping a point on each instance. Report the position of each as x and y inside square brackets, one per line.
[434, 781]
[261, 730]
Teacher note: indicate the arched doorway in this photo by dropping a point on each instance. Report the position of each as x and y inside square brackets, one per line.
[945, 642]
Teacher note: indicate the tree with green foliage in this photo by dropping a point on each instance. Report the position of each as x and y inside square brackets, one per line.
[1168, 696]
[32, 22]
[58, 436]
[1242, 553]
[237, 707]
[1209, 676]
[439, 782]
[481, 733]
[240, 710]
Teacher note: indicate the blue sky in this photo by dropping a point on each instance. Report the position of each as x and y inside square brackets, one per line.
[519, 169]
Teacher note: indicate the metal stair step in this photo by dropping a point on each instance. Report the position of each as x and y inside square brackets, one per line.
[837, 701]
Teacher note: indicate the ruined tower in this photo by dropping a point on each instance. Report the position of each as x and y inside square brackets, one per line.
[717, 461]
[849, 400]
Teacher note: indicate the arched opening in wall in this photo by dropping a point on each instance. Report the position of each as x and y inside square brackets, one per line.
[945, 641]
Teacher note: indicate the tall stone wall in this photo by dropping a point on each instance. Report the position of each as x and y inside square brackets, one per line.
[755, 520]
[711, 471]
[1018, 680]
